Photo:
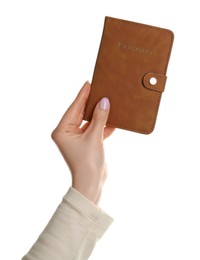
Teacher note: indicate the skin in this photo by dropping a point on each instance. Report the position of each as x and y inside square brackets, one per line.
[82, 145]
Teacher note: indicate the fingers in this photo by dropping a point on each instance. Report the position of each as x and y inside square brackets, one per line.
[99, 119]
[74, 114]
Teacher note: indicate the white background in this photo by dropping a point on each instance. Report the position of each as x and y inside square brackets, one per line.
[47, 51]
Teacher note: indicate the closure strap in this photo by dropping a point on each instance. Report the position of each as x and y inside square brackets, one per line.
[154, 81]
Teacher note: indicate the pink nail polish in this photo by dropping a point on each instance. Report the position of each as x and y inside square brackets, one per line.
[104, 104]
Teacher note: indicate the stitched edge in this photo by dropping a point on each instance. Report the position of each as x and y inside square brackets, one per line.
[139, 24]
[121, 126]
[143, 131]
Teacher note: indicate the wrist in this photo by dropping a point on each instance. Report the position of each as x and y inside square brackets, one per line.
[92, 192]
[89, 182]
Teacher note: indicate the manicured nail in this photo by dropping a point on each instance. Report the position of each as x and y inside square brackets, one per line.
[104, 104]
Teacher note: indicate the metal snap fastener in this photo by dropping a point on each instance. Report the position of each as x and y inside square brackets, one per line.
[153, 81]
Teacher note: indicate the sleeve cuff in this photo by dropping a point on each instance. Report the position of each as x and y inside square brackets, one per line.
[88, 208]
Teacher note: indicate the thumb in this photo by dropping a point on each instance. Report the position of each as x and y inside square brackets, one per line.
[100, 117]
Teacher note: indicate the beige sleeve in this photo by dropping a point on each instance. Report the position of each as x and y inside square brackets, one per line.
[72, 232]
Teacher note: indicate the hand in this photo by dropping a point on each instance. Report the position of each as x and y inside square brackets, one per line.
[82, 146]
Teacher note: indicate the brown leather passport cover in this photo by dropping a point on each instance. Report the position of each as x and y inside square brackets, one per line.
[131, 71]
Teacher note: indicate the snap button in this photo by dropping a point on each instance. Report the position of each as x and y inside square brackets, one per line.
[153, 81]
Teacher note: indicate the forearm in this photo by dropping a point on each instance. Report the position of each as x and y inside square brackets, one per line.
[72, 232]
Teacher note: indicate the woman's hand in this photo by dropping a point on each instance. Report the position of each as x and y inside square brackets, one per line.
[82, 146]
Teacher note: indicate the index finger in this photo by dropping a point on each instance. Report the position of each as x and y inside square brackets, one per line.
[74, 114]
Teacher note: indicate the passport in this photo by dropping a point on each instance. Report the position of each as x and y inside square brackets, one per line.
[130, 71]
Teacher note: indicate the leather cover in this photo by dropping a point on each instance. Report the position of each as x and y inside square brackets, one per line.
[131, 55]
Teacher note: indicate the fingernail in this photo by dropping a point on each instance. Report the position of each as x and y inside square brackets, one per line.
[104, 104]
